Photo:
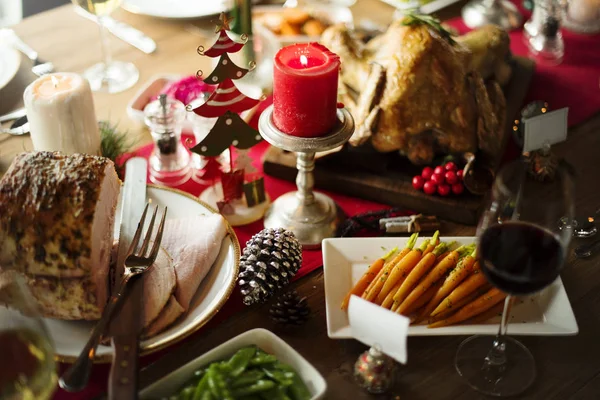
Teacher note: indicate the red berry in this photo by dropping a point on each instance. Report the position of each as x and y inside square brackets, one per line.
[443, 189]
[450, 166]
[451, 177]
[438, 179]
[418, 182]
[426, 173]
[459, 174]
[430, 187]
[439, 170]
[458, 188]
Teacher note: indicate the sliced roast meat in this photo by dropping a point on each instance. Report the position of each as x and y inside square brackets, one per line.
[159, 285]
[167, 316]
[194, 243]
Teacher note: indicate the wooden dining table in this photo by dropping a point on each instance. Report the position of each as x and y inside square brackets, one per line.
[568, 367]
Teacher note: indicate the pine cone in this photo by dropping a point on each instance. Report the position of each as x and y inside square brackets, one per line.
[270, 260]
[290, 309]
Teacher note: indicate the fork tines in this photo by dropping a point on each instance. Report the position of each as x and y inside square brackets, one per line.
[141, 253]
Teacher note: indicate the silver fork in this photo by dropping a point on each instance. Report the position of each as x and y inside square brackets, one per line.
[40, 67]
[136, 263]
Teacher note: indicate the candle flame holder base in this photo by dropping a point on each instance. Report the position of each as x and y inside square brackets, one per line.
[311, 216]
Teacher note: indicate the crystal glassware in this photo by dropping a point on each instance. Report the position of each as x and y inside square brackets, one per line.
[542, 32]
[169, 162]
[27, 367]
[108, 76]
[522, 249]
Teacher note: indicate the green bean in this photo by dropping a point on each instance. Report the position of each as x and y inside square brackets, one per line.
[298, 389]
[276, 393]
[240, 360]
[263, 359]
[261, 385]
[247, 378]
[282, 377]
[187, 393]
[217, 384]
[201, 388]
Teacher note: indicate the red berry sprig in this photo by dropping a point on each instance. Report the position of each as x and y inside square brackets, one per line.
[443, 180]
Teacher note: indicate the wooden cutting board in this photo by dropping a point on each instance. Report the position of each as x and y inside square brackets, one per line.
[352, 172]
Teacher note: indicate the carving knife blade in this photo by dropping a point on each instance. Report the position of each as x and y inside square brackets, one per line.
[127, 324]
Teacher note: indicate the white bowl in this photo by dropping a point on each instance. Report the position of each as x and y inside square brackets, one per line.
[262, 338]
[331, 14]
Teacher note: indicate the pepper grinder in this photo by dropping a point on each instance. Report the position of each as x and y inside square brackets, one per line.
[170, 161]
[542, 31]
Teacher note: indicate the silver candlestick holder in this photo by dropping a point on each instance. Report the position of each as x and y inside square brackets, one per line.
[478, 13]
[311, 216]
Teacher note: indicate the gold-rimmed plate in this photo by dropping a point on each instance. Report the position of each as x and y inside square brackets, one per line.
[70, 336]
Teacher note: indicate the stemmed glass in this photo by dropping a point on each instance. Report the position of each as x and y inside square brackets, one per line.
[27, 367]
[108, 76]
[522, 249]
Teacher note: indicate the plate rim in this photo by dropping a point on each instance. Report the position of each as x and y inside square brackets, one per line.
[135, 10]
[13, 54]
[342, 332]
[192, 328]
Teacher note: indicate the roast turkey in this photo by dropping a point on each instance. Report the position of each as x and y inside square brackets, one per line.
[421, 92]
[57, 216]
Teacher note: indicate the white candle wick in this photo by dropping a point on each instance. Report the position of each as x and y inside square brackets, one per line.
[54, 80]
[303, 60]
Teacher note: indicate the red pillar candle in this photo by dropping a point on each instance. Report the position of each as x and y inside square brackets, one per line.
[305, 83]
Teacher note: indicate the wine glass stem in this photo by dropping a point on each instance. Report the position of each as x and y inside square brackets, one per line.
[495, 361]
[104, 46]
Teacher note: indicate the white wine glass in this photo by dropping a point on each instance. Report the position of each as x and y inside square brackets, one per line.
[27, 366]
[108, 76]
[522, 247]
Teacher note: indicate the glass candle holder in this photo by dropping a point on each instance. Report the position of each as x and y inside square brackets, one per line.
[542, 31]
[170, 160]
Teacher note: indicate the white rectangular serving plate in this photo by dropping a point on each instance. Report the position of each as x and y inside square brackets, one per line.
[266, 340]
[547, 313]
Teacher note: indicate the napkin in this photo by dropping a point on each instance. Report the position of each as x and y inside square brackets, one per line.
[374, 325]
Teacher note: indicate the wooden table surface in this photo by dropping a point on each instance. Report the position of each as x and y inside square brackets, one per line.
[568, 367]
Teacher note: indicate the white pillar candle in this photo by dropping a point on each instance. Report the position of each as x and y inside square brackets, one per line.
[60, 110]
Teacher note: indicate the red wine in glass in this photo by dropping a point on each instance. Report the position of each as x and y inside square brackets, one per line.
[520, 258]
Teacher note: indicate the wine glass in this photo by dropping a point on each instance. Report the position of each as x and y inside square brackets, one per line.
[27, 367]
[108, 76]
[522, 249]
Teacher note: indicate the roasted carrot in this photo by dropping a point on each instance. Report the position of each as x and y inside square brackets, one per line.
[433, 242]
[371, 292]
[401, 271]
[458, 305]
[489, 314]
[434, 275]
[479, 305]
[367, 278]
[469, 285]
[418, 271]
[455, 277]
[422, 300]
[388, 302]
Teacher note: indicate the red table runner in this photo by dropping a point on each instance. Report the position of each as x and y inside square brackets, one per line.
[575, 84]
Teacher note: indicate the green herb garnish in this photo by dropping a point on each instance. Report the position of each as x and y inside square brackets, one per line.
[412, 18]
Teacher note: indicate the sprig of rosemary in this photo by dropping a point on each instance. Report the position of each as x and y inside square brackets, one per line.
[113, 142]
[412, 18]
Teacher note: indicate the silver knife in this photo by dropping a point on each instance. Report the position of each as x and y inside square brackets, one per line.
[127, 324]
[123, 31]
